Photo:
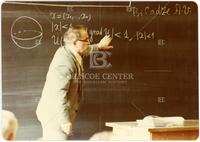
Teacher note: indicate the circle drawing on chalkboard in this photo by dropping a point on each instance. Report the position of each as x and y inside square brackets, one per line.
[26, 32]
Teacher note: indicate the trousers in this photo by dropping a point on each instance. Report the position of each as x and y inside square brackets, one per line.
[53, 131]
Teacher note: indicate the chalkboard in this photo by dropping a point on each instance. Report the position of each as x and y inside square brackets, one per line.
[152, 69]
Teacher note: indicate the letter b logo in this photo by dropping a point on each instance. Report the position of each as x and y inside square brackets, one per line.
[98, 60]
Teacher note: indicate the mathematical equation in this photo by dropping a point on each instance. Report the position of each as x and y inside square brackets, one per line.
[161, 10]
[61, 21]
[86, 17]
[136, 36]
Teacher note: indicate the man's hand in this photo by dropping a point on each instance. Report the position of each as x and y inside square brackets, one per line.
[67, 128]
[104, 43]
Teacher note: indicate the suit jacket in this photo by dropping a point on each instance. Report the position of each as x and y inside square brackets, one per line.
[63, 89]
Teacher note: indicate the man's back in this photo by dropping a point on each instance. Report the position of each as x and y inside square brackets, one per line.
[62, 89]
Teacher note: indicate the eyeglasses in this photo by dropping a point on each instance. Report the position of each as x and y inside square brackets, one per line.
[84, 40]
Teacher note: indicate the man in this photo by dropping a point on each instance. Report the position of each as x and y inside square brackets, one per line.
[9, 125]
[63, 88]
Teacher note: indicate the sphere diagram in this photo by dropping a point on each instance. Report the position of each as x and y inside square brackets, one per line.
[26, 32]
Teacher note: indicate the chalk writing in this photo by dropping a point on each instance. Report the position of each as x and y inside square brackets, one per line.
[182, 10]
[129, 36]
[70, 17]
[61, 21]
[161, 10]
[144, 35]
[57, 40]
[27, 36]
[85, 16]
[137, 35]
[59, 26]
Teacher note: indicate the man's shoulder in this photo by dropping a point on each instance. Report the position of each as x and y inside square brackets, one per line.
[61, 57]
[63, 53]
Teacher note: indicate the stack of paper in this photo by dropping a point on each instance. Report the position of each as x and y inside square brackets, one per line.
[156, 121]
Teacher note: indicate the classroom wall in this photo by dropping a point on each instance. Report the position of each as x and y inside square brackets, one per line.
[155, 45]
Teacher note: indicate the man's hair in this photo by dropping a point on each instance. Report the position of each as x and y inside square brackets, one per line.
[9, 125]
[73, 32]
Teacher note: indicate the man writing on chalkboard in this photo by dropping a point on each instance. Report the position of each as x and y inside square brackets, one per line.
[63, 88]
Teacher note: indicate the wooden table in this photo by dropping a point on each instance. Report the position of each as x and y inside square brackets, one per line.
[131, 131]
